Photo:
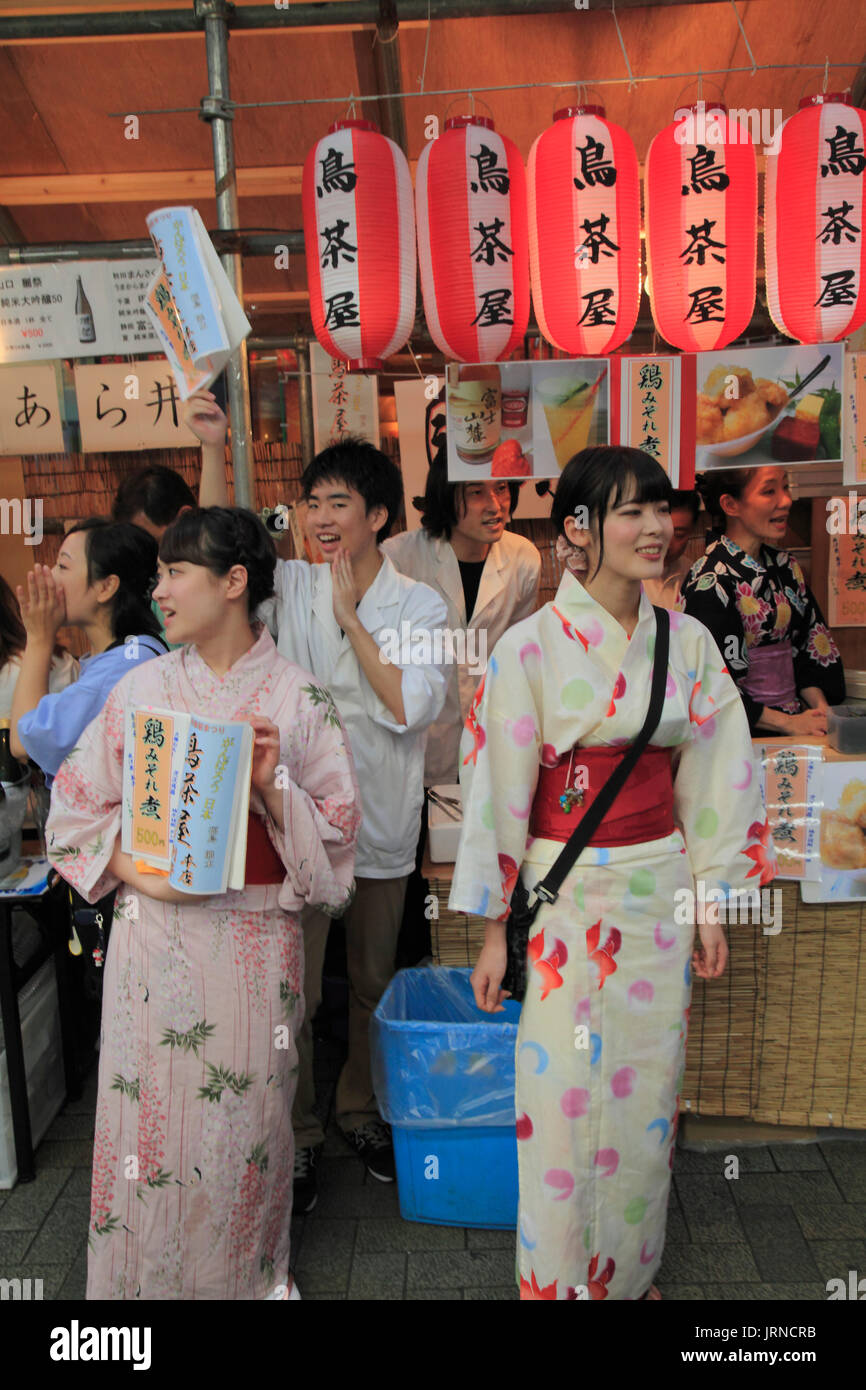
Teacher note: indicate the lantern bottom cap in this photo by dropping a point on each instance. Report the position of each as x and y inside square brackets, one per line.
[365, 364]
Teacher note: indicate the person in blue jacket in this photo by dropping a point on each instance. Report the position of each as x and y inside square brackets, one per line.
[102, 584]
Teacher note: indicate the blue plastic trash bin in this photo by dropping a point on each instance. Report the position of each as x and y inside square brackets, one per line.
[443, 1073]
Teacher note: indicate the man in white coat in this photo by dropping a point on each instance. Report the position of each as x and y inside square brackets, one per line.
[488, 578]
[348, 621]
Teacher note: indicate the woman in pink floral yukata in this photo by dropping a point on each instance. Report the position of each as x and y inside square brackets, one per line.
[193, 1156]
[601, 1043]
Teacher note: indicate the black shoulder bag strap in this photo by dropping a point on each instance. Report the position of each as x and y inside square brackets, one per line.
[547, 890]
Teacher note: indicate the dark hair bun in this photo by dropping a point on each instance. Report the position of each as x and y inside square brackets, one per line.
[220, 537]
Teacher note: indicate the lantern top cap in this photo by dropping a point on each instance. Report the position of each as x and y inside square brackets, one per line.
[566, 112]
[822, 99]
[353, 124]
[458, 122]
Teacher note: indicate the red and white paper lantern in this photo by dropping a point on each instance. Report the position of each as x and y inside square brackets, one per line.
[814, 206]
[701, 204]
[359, 234]
[584, 232]
[473, 253]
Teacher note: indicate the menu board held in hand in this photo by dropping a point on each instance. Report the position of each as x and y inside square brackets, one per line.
[186, 796]
[190, 302]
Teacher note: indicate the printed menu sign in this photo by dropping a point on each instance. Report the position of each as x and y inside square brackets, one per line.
[854, 450]
[196, 313]
[77, 309]
[186, 790]
[846, 583]
[652, 409]
[793, 791]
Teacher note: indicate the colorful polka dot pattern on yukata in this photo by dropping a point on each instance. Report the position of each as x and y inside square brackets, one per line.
[601, 1045]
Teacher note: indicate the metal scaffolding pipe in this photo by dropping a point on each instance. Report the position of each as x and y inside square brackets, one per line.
[251, 17]
[41, 28]
[386, 61]
[236, 240]
[220, 116]
[305, 403]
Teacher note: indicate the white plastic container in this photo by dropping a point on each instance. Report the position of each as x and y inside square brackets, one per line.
[43, 1065]
[443, 834]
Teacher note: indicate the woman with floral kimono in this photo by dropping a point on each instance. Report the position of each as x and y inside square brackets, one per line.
[601, 1043]
[757, 605]
[192, 1165]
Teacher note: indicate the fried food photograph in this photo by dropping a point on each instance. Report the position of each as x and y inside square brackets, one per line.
[843, 844]
[733, 405]
[852, 803]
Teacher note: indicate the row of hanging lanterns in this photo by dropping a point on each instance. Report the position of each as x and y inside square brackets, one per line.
[569, 225]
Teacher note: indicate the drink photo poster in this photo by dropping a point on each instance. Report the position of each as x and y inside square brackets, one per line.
[523, 419]
[422, 425]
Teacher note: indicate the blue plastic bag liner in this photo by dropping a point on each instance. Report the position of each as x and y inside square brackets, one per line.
[438, 1060]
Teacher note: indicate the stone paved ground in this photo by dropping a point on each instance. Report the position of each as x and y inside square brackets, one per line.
[794, 1218]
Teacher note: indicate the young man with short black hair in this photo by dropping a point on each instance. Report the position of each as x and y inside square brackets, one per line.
[337, 620]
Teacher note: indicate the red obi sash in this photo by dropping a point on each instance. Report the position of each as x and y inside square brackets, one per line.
[263, 864]
[644, 809]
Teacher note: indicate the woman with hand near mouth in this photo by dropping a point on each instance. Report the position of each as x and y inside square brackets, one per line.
[754, 599]
[101, 584]
[601, 1041]
[203, 996]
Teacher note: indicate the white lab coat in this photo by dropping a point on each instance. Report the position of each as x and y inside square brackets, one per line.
[389, 757]
[507, 593]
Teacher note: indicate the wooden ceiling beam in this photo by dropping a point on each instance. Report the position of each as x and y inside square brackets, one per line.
[272, 300]
[153, 185]
[145, 186]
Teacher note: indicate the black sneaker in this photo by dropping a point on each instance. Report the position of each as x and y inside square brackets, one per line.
[305, 1189]
[373, 1142]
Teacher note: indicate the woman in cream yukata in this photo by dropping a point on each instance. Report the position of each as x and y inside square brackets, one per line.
[601, 1044]
[193, 1154]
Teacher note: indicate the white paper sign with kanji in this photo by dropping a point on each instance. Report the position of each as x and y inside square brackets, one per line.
[134, 405]
[343, 402]
[30, 421]
[76, 309]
